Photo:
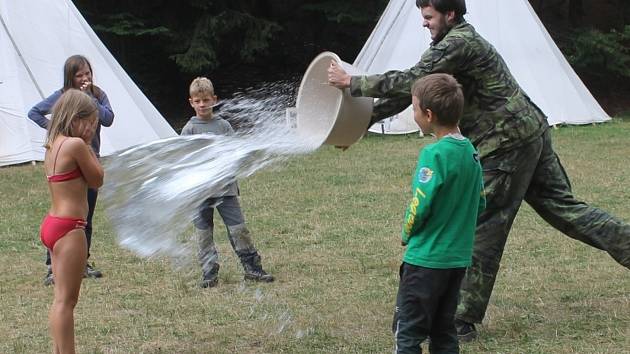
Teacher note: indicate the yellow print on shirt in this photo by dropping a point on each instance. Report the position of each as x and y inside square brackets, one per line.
[411, 218]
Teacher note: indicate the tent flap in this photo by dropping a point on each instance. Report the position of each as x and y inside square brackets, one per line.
[36, 37]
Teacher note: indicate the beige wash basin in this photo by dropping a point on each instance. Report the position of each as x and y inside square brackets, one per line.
[326, 114]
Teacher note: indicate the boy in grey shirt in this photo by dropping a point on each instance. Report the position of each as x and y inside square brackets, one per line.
[202, 99]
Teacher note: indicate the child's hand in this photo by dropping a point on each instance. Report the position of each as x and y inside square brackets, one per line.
[88, 130]
[85, 86]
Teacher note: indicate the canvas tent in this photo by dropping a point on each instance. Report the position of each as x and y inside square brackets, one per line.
[36, 37]
[398, 41]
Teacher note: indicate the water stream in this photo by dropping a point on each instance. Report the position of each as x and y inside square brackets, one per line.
[152, 191]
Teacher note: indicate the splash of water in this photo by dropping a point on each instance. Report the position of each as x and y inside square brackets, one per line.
[152, 191]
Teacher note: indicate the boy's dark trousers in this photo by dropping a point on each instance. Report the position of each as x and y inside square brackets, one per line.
[92, 195]
[425, 307]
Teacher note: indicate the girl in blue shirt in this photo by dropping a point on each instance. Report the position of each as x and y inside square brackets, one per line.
[77, 74]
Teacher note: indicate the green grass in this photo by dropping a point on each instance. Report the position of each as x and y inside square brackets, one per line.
[327, 225]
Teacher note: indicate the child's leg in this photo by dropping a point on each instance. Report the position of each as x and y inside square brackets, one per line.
[207, 252]
[92, 196]
[417, 299]
[240, 239]
[443, 332]
[69, 257]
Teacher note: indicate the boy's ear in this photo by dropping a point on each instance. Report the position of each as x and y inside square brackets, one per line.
[430, 115]
[190, 101]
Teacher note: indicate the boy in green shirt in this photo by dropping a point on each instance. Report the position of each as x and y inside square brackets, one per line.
[439, 224]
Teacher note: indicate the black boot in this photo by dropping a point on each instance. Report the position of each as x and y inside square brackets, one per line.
[466, 332]
[210, 277]
[253, 269]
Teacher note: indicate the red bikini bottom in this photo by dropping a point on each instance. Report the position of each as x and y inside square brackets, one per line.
[53, 228]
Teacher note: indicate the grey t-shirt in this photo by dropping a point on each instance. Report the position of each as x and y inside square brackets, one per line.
[216, 126]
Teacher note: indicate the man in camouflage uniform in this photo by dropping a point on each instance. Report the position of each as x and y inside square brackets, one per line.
[513, 139]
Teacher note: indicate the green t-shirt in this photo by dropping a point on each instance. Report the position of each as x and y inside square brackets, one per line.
[447, 195]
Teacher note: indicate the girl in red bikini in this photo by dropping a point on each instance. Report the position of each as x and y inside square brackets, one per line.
[71, 168]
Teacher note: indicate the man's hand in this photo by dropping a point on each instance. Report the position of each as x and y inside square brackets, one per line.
[337, 76]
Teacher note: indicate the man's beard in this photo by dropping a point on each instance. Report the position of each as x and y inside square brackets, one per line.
[444, 30]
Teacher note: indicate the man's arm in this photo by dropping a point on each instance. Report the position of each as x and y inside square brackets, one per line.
[393, 87]
[387, 107]
[448, 56]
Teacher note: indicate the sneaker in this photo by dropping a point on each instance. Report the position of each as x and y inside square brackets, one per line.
[49, 279]
[466, 332]
[91, 272]
[258, 275]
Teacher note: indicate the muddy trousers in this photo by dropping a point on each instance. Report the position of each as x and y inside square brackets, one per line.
[425, 307]
[238, 234]
[532, 173]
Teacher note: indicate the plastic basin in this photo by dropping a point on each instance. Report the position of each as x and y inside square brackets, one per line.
[326, 114]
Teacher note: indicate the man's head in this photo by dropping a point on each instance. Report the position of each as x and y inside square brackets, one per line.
[202, 97]
[440, 15]
[437, 100]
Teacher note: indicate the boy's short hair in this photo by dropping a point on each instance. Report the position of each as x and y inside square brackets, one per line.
[443, 95]
[201, 85]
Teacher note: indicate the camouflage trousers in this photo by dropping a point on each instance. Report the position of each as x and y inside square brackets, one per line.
[532, 173]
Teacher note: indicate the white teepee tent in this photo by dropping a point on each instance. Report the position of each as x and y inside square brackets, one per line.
[36, 37]
[398, 41]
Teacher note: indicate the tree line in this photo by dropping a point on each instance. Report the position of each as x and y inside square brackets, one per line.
[164, 44]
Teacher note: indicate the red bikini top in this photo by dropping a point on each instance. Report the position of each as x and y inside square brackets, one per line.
[66, 176]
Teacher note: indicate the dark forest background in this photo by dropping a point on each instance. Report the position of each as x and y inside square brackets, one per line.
[164, 44]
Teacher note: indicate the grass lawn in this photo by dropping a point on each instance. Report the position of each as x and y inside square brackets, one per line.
[327, 226]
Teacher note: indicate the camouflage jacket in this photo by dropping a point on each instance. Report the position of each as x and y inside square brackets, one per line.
[498, 115]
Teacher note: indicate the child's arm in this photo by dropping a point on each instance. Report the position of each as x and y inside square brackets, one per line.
[87, 161]
[38, 113]
[105, 112]
[425, 185]
[187, 129]
[228, 128]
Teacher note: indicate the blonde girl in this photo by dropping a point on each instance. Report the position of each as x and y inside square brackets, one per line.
[71, 168]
